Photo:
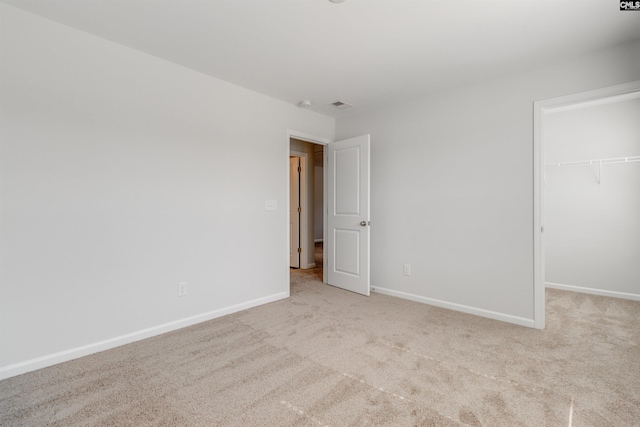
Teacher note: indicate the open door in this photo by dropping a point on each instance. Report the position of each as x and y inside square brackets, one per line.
[294, 212]
[348, 209]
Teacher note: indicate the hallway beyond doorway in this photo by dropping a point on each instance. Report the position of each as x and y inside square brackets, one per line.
[309, 274]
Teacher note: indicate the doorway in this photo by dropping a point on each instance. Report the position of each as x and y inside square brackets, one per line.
[346, 207]
[587, 181]
[306, 214]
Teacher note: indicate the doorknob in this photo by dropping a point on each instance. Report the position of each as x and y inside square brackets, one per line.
[363, 223]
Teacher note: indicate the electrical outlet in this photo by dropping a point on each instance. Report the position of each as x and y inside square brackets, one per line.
[182, 289]
[406, 270]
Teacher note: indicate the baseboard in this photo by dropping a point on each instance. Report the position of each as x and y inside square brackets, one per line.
[310, 265]
[522, 321]
[74, 353]
[318, 241]
[593, 291]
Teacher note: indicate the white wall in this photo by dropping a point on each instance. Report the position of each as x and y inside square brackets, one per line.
[592, 231]
[122, 174]
[452, 185]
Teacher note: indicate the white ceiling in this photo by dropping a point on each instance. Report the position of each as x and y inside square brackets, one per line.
[362, 52]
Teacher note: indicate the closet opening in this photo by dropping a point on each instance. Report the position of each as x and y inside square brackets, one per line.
[588, 194]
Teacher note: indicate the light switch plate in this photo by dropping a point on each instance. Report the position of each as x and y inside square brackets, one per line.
[271, 205]
[406, 270]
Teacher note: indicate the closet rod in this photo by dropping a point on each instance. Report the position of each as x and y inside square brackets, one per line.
[596, 162]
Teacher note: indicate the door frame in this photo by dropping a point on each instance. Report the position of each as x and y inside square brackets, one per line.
[540, 108]
[304, 201]
[314, 140]
[299, 200]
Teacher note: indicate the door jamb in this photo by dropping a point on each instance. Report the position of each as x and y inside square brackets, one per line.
[540, 108]
[303, 241]
[294, 155]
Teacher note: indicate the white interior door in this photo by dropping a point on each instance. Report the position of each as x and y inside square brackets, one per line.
[348, 214]
[294, 212]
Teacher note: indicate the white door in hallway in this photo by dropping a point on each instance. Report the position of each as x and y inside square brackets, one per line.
[348, 209]
[294, 212]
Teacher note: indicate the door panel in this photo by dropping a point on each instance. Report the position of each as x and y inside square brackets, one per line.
[347, 244]
[348, 187]
[347, 174]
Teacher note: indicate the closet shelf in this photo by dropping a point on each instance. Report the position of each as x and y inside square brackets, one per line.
[595, 162]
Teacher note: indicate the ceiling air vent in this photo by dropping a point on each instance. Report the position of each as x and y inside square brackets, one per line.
[341, 105]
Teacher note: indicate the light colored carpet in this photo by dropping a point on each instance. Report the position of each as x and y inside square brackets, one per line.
[331, 357]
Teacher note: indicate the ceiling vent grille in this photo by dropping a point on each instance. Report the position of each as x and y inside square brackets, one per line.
[341, 105]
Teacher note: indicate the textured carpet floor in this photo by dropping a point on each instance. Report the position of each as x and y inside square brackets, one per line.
[330, 357]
